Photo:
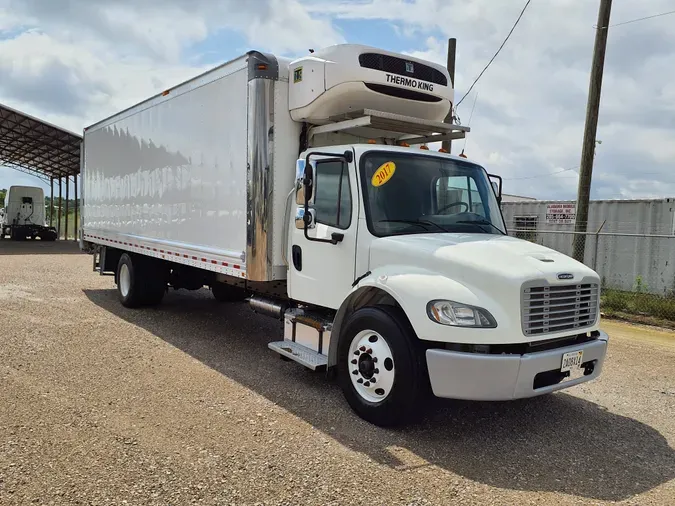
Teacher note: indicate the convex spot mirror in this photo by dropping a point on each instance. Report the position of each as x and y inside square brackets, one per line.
[301, 218]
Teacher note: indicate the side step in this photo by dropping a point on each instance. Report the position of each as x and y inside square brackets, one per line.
[301, 354]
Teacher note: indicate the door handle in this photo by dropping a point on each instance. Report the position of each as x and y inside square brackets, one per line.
[297, 257]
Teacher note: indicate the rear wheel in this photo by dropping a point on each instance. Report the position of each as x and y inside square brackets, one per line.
[140, 281]
[155, 278]
[223, 292]
[48, 235]
[380, 366]
[128, 287]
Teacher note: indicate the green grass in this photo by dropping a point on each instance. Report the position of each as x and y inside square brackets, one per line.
[625, 304]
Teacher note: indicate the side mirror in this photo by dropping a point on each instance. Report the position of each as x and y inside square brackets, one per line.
[302, 218]
[496, 183]
[305, 217]
[304, 182]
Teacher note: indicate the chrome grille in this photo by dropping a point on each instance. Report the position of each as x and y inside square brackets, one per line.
[549, 309]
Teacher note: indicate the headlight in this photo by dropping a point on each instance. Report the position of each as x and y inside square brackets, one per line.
[447, 312]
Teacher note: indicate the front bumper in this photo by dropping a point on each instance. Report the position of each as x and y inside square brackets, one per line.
[483, 377]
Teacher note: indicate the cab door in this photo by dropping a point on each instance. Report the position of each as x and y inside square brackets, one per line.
[322, 245]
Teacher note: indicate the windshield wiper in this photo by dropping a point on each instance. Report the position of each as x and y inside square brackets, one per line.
[481, 222]
[416, 222]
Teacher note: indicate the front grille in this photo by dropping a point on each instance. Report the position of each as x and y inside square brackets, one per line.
[399, 66]
[550, 309]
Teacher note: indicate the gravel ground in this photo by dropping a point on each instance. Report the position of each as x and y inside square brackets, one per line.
[185, 404]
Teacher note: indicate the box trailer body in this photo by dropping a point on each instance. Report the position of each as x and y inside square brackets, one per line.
[24, 214]
[190, 174]
[297, 185]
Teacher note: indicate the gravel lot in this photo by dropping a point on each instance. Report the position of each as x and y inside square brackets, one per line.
[185, 404]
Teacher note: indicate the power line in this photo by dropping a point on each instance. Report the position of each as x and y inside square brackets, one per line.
[639, 19]
[541, 175]
[495, 55]
[470, 116]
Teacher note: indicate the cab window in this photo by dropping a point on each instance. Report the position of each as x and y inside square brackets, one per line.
[333, 202]
[456, 194]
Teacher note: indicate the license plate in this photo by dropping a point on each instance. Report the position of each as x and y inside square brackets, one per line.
[571, 360]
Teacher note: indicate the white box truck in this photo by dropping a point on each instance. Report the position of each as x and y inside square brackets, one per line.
[23, 215]
[307, 188]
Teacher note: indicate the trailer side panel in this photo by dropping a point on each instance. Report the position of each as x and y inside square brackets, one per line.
[169, 175]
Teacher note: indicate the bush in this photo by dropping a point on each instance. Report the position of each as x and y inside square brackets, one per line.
[638, 303]
[613, 300]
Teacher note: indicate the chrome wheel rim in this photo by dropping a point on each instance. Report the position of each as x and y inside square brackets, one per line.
[371, 366]
[125, 280]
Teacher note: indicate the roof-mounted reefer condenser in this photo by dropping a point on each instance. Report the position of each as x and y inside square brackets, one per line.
[345, 78]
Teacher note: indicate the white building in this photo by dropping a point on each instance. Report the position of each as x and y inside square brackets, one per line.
[630, 243]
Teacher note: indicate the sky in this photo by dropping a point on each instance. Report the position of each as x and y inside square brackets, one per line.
[74, 62]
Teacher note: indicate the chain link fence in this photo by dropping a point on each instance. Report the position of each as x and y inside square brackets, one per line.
[637, 268]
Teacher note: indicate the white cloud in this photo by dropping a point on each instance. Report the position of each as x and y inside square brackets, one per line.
[530, 112]
[74, 62]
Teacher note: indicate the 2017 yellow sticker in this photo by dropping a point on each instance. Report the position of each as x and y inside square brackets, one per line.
[383, 173]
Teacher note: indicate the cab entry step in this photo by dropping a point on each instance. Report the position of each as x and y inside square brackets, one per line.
[299, 353]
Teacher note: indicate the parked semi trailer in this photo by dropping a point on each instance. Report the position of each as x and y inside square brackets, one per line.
[307, 187]
[23, 216]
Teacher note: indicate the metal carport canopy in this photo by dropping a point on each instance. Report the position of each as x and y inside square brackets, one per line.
[36, 147]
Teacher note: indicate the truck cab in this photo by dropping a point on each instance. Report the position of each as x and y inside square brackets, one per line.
[409, 248]
[23, 216]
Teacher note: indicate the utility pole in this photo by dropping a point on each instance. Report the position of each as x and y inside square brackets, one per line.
[452, 50]
[590, 130]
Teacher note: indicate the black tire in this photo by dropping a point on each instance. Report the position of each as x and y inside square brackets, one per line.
[143, 283]
[17, 236]
[410, 385]
[129, 283]
[223, 292]
[156, 280]
[48, 235]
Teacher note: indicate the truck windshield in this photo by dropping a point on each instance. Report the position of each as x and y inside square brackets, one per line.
[421, 194]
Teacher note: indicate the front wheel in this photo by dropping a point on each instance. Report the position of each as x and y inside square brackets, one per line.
[380, 366]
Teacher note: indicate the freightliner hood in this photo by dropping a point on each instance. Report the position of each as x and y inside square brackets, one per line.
[477, 258]
[485, 270]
